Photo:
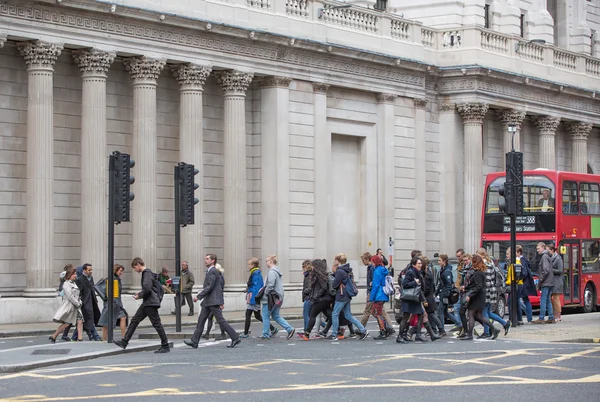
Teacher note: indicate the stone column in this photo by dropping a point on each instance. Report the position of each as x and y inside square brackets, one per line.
[420, 176]
[473, 115]
[579, 133]
[385, 168]
[235, 84]
[547, 126]
[144, 73]
[275, 169]
[39, 260]
[512, 117]
[94, 65]
[191, 78]
[322, 159]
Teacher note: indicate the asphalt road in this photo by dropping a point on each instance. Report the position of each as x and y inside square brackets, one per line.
[352, 370]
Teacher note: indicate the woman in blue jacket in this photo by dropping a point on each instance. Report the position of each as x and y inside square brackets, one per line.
[378, 296]
[255, 283]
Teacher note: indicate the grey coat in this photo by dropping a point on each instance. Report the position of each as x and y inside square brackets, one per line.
[212, 290]
[274, 283]
[546, 275]
[559, 272]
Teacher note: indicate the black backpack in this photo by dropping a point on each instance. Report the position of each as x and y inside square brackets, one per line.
[157, 288]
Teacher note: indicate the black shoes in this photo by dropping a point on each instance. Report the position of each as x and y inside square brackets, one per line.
[382, 335]
[163, 349]
[222, 337]
[190, 343]
[506, 328]
[52, 339]
[466, 338]
[495, 332]
[363, 335]
[234, 342]
[190, 313]
[400, 339]
[206, 336]
[122, 344]
[289, 335]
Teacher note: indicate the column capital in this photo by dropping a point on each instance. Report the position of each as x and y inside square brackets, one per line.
[386, 98]
[320, 87]
[191, 76]
[93, 62]
[40, 54]
[420, 103]
[579, 130]
[512, 117]
[275, 82]
[234, 82]
[447, 107]
[546, 124]
[473, 112]
[144, 69]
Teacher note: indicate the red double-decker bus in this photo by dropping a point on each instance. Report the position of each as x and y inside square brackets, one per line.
[560, 208]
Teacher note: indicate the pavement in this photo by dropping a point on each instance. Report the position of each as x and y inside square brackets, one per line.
[295, 370]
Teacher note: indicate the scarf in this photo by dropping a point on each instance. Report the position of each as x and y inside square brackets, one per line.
[252, 271]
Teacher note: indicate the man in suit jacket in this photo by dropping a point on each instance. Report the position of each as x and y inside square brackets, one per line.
[89, 303]
[546, 203]
[212, 303]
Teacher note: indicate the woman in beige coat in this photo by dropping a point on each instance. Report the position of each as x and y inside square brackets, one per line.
[70, 310]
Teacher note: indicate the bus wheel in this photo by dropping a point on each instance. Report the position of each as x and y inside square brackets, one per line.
[588, 299]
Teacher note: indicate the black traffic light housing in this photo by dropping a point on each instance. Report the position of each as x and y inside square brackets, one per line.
[187, 186]
[512, 189]
[122, 186]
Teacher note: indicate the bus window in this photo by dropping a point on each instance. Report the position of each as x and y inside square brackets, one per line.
[538, 195]
[569, 198]
[590, 251]
[589, 194]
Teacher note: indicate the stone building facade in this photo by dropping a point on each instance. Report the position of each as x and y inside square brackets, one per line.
[317, 129]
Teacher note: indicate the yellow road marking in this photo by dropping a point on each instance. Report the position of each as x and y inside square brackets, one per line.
[229, 380]
[107, 385]
[571, 356]
[531, 366]
[388, 373]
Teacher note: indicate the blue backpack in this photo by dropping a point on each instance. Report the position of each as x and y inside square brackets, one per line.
[349, 286]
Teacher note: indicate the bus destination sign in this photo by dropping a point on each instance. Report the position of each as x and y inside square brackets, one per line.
[524, 224]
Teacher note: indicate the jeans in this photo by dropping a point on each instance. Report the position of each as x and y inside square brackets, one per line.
[457, 318]
[443, 313]
[306, 312]
[528, 308]
[489, 315]
[266, 316]
[335, 317]
[546, 303]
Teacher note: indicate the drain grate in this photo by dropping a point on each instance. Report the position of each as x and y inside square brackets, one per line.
[51, 351]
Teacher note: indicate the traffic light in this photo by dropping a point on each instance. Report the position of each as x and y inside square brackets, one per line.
[187, 186]
[122, 186]
[514, 171]
[503, 201]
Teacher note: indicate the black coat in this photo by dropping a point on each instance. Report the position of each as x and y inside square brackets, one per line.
[89, 303]
[318, 289]
[212, 290]
[475, 289]
[428, 291]
[147, 294]
[306, 286]
[410, 282]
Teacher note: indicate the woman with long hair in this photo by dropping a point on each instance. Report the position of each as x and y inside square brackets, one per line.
[320, 295]
[378, 296]
[119, 313]
[255, 283]
[475, 298]
[69, 311]
[412, 280]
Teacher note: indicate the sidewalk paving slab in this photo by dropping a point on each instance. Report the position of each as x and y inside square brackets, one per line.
[36, 356]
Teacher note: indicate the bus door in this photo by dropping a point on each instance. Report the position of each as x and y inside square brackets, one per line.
[572, 277]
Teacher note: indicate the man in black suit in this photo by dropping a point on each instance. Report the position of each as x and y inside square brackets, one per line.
[89, 303]
[212, 303]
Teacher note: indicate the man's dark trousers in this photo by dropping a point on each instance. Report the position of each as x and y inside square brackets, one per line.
[218, 313]
[152, 314]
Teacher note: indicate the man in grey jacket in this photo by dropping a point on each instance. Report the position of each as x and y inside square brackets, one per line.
[212, 303]
[545, 284]
[559, 275]
[273, 290]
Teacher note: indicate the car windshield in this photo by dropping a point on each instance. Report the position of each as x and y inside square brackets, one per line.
[538, 195]
[498, 249]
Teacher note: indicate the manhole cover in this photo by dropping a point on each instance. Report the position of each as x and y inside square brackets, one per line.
[50, 351]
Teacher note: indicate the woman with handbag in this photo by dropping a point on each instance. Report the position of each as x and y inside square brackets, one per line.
[475, 299]
[411, 297]
[69, 311]
[254, 285]
[119, 313]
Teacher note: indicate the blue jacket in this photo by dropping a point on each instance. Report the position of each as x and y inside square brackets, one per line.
[377, 294]
[257, 284]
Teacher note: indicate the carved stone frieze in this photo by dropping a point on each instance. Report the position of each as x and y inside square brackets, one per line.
[579, 130]
[447, 107]
[40, 54]
[144, 69]
[546, 124]
[512, 117]
[234, 82]
[320, 87]
[473, 112]
[420, 103]
[191, 76]
[93, 62]
[386, 98]
[275, 82]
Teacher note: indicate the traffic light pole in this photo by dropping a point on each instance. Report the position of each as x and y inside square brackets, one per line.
[111, 247]
[514, 300]
[177, 251]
